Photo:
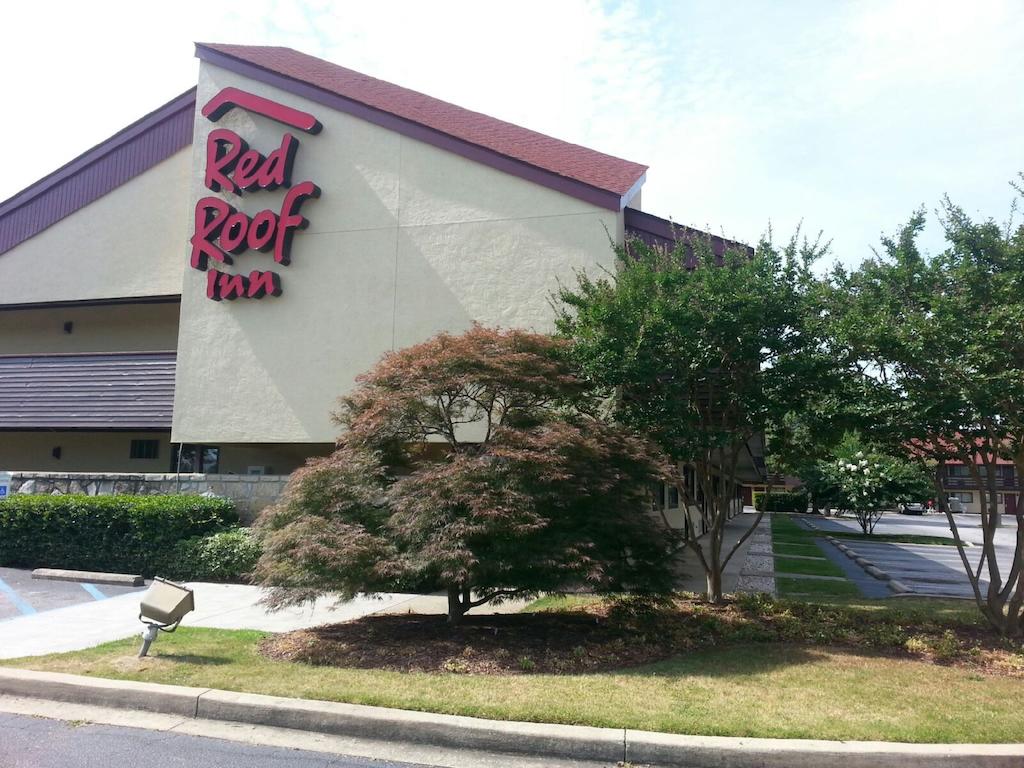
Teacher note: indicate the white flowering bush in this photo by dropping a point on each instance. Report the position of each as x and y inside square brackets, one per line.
[867, 483]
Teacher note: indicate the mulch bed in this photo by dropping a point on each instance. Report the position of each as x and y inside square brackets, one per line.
[609, 636]
[501, 644]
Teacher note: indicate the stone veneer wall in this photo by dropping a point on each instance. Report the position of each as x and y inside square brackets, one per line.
[251, 493]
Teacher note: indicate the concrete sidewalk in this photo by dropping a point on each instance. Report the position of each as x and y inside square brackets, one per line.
[221, 606]
[749, 570]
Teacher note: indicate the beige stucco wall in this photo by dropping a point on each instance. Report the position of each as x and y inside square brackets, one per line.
[127, 243]
[80, 452]
[109, 452]
[406, 240]
[119, 328]
[281, 459]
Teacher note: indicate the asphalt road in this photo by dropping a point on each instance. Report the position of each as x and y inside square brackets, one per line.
[929, 569]
[21, 595]
[32, 742]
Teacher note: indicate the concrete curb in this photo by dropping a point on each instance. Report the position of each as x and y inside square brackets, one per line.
[540, 740]
[119, 694]
[453, 731]
[89, 577]
[898, 587]
[664, 749]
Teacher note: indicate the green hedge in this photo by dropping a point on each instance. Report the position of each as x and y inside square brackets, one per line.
[223, 556]
[782, 501]
[129, 534]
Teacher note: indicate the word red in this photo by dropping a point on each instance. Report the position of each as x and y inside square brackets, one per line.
[220, 231]
[227, 152]
[221, 285]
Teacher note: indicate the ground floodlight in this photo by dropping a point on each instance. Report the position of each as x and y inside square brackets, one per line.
[162, 609]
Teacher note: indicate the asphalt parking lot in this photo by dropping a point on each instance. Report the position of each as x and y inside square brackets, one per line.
[21, 595]
[934, 570]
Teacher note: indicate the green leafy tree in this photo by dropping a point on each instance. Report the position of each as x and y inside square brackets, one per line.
[703, 353]
[869, 482]
[938, 345]
[470, 462]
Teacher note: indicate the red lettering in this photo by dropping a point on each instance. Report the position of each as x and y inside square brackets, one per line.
[247, 172]
[211, 284]
[263, 284]
[219, 230]
[232, 236]
[277, 171]
[232, 166]
[262, 230]
[232, 287]
[223, 148]
[220, 285]
[291, 220]
[211, 213]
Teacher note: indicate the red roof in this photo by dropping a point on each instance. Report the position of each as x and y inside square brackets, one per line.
[571, 161]
[928, 448]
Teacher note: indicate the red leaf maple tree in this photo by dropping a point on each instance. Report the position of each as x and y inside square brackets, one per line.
[474, 463]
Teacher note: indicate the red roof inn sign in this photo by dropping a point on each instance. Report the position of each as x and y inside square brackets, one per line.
[231, 166]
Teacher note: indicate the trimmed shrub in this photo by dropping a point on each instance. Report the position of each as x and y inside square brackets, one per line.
[783, 501]
[131, 534]
[223, 556]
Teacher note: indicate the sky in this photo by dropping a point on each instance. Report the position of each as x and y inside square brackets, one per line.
[836, 117]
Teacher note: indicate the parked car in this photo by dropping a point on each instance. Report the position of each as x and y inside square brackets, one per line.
[913, 508]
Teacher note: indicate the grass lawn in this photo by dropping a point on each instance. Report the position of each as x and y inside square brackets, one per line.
[789, 537]
[815, 587]
[899, 538]
[806, 567]
[784, 525]
[807, 550]
[769, 690]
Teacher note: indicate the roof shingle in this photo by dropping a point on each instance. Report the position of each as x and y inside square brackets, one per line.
[126, 390]
[572, 161]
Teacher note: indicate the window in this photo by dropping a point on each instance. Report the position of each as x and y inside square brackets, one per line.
[144, 449]
[673, 497]
[657, 496]
[201, 459]
[963, 498]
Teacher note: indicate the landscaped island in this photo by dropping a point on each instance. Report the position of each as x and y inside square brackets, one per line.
[916, 670]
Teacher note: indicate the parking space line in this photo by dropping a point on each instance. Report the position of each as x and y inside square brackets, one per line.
[15, 598]
[92, 590]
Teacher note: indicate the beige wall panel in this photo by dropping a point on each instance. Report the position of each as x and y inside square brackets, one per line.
[438, 187]
[127, 243]
[122, 328]
[272, 370]
[282, 459]
[499, 273]
[467, 242]
[80, 452]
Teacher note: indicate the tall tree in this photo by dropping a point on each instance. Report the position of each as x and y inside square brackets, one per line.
[470, 462]
[703, 353]
[937, 342]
